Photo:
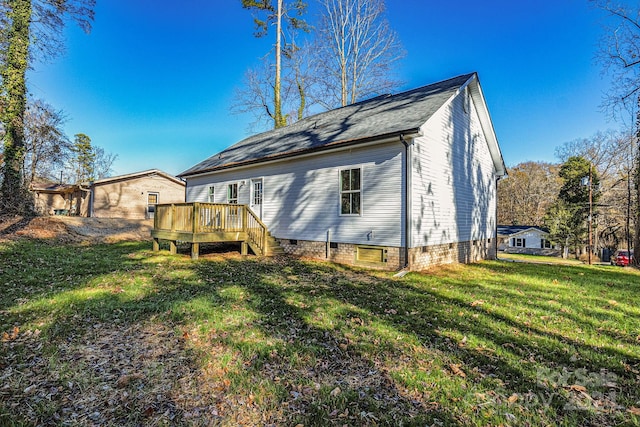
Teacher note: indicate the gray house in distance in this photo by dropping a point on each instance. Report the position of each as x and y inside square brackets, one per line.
[404, 180]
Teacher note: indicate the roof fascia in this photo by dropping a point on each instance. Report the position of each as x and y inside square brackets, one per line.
[487, 124]
[135, 175]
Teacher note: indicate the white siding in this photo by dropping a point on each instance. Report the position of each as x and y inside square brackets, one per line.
[301, 196]
[532, 239]
[453, 184]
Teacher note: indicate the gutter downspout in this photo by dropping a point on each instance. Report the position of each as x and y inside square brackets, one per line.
[407, 201]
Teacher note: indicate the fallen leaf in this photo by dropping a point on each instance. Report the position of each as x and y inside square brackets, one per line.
[477, 303]
[513, 398]
[579, 388]
[633, 410]
[336, 391]
[124, 380]
[456, 370]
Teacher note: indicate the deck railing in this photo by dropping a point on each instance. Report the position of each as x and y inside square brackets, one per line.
[210, 218]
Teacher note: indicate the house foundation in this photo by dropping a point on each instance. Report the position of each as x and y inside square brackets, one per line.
[391, 258]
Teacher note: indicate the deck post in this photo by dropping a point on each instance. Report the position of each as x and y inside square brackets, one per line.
[196, 217]
[244, 218]
[173, 247]
[264, 241]
[156, 244]
[195, 249]
[173, 217]
[244, 248]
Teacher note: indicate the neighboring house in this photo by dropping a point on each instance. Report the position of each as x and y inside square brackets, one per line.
[131, 196]
[525, 239]
[405, 180]
[58, 199]
[134, 195]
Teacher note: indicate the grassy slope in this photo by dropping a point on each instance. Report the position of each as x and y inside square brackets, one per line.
[234, 341]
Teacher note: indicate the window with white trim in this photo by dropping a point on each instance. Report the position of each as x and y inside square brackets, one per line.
[350, 191]
[211, 194]
[232, 193]
[545, 244]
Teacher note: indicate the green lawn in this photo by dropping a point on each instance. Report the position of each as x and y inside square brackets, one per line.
[117, 335]
[541, 259]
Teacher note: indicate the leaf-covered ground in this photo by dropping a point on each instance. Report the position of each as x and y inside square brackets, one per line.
[116, 335]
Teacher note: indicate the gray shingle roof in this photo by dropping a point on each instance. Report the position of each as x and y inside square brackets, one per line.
[385, 115]
[508, 230]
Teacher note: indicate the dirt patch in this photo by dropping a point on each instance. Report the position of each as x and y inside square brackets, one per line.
[76, 229]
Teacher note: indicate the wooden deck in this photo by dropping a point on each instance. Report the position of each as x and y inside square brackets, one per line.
[197, 223]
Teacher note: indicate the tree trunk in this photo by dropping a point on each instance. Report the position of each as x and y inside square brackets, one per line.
[15, 198]
[277, 101]
[636, 238]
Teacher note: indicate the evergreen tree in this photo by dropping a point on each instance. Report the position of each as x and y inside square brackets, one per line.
[567, 218]
[84, 158]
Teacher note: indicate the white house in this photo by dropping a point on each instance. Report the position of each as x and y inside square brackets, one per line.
[405, 180]
[525, 239]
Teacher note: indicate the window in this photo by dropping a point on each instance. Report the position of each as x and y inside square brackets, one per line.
[518, 242]
[232, 193]
[545, 244]
[212, 193]
[350, 192]
[152, 201]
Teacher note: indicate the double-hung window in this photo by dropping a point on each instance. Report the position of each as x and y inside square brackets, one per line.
[351, 191]
[211, 194]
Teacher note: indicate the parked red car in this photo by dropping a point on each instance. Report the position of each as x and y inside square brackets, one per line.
[622, 257]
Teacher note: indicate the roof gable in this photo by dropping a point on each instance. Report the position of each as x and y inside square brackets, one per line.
[135, 175]
[373, 119]
[512, 230]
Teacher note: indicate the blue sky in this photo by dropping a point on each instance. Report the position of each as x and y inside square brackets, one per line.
[154, 80]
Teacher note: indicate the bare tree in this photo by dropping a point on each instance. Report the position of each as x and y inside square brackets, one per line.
[47, 147]
[103, 162]
[619, 54]
[525, 196]
[357, 50]
[612, 154]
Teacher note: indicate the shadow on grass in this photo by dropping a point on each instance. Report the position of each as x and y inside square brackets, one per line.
[320, 344]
